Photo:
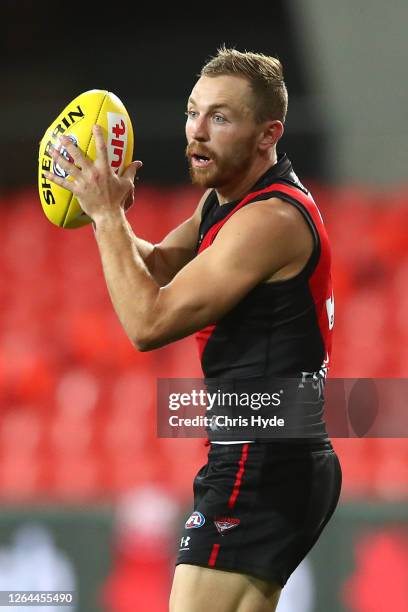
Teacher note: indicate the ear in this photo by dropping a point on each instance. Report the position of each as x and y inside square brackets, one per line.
[271, 133]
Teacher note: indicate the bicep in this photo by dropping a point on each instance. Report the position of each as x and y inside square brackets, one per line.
[243, 255]
[207, 287]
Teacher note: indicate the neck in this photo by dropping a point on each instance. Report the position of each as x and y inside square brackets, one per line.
[238, 189]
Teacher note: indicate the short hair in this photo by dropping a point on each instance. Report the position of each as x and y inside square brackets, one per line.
[265, 76]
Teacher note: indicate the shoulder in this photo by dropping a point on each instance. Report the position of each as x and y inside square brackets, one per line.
[272, 216]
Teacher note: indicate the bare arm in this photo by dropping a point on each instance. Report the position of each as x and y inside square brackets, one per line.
[257, 242]
[166, 258]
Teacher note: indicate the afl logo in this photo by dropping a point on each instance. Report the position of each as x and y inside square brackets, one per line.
[57, 169]
[195, 521]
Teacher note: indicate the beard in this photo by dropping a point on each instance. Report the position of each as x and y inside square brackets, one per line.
[225, 168]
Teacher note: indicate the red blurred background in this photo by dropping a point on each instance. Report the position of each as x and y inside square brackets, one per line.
[78, 401]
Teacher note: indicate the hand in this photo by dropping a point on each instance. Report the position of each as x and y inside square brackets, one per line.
[99, 190]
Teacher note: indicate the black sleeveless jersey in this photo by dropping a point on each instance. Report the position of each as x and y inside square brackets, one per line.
[279, 328]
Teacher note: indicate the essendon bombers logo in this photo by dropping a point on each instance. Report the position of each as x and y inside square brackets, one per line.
[226, 523]
[117, 140]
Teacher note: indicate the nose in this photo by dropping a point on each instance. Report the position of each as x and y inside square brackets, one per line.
[198, 129]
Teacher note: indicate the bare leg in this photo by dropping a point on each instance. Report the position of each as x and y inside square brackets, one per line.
[200, 589]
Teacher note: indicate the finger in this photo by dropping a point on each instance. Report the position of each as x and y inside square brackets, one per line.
[64, 163]
[101, 148]
[131, 170]
[74, 151]
[58, 180]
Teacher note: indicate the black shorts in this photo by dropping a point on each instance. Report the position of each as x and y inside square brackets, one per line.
[260, 507]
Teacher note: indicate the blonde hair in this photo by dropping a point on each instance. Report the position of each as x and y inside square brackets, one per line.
[265, 76]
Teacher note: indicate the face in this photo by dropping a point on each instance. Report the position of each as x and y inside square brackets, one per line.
[220, 126]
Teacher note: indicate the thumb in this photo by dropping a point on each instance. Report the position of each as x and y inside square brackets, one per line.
[131, 170]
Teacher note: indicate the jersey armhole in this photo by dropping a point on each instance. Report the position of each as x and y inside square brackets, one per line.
[313, 260]
[209, 202]
[205, 211]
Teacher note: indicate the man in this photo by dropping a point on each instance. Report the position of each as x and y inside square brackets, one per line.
[249, 272]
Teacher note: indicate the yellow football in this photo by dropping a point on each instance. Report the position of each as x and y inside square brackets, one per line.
[60, 206]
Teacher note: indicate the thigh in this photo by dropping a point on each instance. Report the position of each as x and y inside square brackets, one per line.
[199, 589]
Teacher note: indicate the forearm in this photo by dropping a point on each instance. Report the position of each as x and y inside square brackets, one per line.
[148, 252]
[156, 262]
[132, 288]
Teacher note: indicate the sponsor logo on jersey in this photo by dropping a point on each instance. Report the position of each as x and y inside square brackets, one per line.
[330, 310]
[226, 523]
[195, 521]
[184, 542]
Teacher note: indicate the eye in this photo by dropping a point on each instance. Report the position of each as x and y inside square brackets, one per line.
[219, 119]
[190, 113]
